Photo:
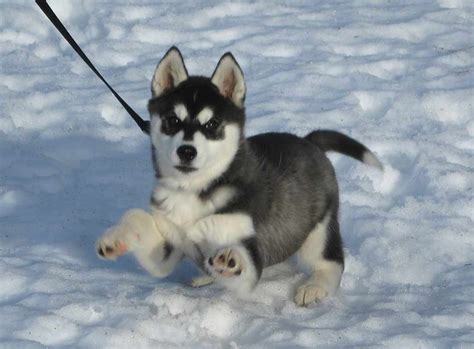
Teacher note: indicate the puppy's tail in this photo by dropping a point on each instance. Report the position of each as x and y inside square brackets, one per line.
[340, 143]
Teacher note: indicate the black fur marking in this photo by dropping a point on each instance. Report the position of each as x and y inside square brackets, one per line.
[335, 141]
[189, 129]
[224, 110]
[251, 246]
[168, 248]
[333, 250]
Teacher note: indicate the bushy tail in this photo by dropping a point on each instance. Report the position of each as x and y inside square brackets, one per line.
[340, 143]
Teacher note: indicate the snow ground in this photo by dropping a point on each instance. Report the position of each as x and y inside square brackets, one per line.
[397, 75]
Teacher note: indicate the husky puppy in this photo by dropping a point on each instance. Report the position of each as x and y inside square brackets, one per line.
[235, 205]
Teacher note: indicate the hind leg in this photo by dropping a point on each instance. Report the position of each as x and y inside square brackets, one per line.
[322, 253]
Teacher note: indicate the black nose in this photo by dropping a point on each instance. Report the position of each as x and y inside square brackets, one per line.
[186, 153]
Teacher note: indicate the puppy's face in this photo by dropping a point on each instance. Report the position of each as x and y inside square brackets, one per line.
[196, 122]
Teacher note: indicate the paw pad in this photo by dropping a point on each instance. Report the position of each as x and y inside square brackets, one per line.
[113, 250]
[226, 263]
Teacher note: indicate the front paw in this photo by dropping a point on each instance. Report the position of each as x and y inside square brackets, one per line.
[226, 263]
[114, 243]
[136, 229]
[111, 250]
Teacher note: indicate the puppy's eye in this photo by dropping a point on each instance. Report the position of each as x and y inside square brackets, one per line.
[173, 120]
[211, 125]
[171, 124]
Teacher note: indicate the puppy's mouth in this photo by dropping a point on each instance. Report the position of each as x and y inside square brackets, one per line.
[185, 169]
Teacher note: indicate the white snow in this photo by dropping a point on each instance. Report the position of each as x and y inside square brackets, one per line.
[396, 75]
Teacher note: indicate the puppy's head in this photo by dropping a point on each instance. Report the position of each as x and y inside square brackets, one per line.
[196, 122]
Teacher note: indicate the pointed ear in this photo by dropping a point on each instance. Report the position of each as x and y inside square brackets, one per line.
[169, 73]
[228, 77]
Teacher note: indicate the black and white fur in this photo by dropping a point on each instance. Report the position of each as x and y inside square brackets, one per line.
[235, 205]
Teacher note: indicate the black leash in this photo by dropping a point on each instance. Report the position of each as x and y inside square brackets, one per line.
[143, 124]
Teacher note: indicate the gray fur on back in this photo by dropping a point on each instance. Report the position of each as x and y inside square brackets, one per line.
[286, 184]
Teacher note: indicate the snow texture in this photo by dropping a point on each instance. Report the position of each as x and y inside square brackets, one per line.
[397, 75]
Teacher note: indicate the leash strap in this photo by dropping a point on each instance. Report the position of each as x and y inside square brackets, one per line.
[144, 125]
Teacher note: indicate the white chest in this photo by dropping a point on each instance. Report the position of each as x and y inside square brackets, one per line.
[184, 208]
